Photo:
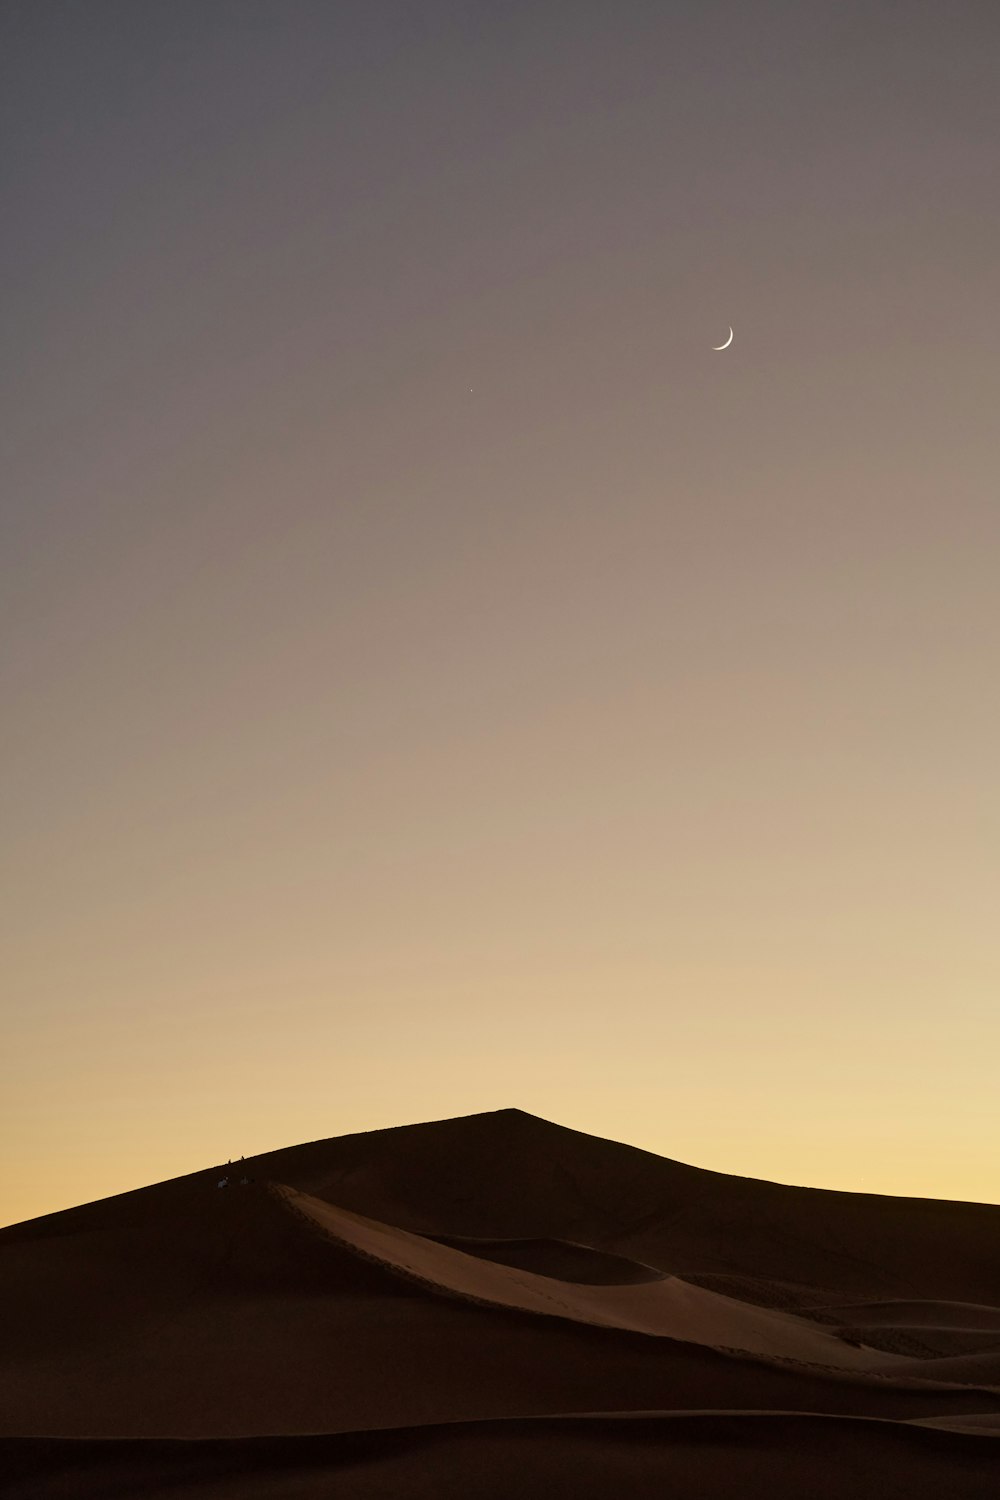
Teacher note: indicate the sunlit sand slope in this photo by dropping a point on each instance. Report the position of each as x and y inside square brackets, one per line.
[667, 1307]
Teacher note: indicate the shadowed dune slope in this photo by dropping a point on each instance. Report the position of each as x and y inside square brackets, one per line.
[923, 1330]
[687, 1456]
[979, 1369]
[984, 1421]
[929, 1314]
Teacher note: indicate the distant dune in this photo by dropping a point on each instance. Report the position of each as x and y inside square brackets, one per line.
[498, 1306]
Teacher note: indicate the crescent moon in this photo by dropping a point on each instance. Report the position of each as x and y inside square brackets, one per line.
[726, 345]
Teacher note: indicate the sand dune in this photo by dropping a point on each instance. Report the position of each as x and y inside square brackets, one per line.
[499, 1306]
[974, 1317]
[983, 1421]
[667, 1307]
[923, 1331]
[687, 1455]
[561, 1259]
[982, 1369]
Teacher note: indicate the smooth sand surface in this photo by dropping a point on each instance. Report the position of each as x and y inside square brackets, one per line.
[970, 1369]
[498, 1306]
[927, 1314]
[667, 1307]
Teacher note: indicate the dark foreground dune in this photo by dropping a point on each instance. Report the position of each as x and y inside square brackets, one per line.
[497, 1306]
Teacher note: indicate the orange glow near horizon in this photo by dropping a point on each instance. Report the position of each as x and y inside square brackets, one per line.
[434, 680]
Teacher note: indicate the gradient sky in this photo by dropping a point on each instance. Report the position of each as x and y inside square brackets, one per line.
[432, 679]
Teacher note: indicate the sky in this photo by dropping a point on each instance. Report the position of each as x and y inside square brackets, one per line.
[433, 679]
